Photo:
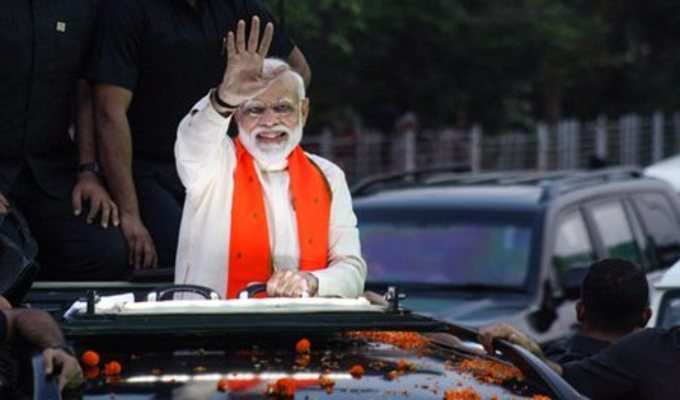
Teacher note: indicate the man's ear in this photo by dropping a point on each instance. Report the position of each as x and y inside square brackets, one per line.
[580, 311]
[304, 111]
[646, 315]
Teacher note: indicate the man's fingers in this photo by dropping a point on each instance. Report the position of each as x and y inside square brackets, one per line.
[115, 217]
[139, 253]
[95, 205]
[254, 36]
[266, 40]
[3, 209]
[3, 200]
[487, 341]
[149, 253]
[290, 286]
[231, 46]
[62, 380]
[77, 201]
[272, 284]
[131, 250]
[47, 361]
[241, 36]
[106, 213]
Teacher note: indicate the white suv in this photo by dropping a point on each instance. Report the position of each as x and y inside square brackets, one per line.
[666, 299]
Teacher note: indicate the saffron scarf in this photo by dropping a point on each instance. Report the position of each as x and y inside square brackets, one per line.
[250, 258]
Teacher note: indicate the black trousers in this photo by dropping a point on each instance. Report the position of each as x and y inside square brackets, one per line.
[69, 248]
[161, 198]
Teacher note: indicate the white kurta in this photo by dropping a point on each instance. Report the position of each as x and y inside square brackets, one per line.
[206, 159]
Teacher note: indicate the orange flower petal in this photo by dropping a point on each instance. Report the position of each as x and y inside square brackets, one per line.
[303, 346]
[113, 368]
[90, 358]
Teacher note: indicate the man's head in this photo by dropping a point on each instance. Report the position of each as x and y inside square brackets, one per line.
[614, 297]
[270, 125]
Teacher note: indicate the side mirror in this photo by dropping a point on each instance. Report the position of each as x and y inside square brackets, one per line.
[542, 319]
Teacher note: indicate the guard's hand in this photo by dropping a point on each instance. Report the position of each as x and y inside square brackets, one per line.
[4, 205]
[287, 283]
[487, 335]
[71, 375]
[141, 250]
[243, 77]
[90, 189]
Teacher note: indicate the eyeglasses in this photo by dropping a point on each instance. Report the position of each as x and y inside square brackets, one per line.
[257, 109]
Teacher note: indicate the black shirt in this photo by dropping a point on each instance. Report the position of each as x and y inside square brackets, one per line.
[43, 45]
[643, 365]
[573, 348]
[169, 54]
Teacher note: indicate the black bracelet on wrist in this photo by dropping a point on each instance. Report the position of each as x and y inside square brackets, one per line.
[221, 102]
[89, 167]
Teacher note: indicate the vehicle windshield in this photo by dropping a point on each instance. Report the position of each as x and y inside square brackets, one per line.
[440, 250]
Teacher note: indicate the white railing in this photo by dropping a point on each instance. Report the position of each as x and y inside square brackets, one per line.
[629, 140]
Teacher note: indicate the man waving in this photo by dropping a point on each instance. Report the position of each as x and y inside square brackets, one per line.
[258, 208]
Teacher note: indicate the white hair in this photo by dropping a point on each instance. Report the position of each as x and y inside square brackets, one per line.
[270, 64]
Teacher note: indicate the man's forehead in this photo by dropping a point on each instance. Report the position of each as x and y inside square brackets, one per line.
[283, 87]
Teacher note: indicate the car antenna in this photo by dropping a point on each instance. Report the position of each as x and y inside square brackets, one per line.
[393, 296]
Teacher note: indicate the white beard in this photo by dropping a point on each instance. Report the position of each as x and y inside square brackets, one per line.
[271, 156]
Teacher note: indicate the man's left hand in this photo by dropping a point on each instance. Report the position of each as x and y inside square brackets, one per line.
[488, 334]
[90, 189]
[71, 375]
[287, 283]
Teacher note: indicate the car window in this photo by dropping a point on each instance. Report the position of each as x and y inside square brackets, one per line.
[669, 311]
[615, 231]
[572, 246]
[661, 227]
[446, 252]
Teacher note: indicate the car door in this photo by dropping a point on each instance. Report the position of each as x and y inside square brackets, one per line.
[572, 253]
[661, 228]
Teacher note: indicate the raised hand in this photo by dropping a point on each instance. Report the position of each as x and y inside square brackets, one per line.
[243, 77]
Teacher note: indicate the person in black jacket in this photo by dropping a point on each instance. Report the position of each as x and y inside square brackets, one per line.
[152, 60]
[614, 302]
[46, 174]
[642, 365]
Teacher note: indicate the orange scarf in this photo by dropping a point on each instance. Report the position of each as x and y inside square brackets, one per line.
[250, 258]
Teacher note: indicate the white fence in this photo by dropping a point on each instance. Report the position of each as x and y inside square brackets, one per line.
[629, 140]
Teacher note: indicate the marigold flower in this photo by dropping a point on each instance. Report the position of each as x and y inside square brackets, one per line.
[357, 371]
[404, 340]
[490, 371]
[112, 368]
[223, 385]
[90, 358]
[461, 394]
[286, 387]
[91, 372]
[303, 346]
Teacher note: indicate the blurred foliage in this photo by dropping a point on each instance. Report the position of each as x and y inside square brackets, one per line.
[504, 63]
